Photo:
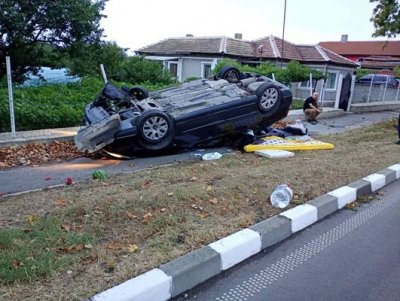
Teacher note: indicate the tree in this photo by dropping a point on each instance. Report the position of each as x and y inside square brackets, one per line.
[85, 59]
[386, 18]
[26, 26]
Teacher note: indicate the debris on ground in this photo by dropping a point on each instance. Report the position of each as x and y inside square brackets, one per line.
[278, 143]
[274, 153]
[211, 156]
[34, 154]
[99, 174]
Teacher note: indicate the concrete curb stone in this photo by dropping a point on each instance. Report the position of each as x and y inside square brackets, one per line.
[190, 270]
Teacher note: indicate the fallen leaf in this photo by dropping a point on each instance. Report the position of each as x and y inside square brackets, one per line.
[147, 217]
[66, 227]
[60, 202]
[114, 246]
[130, 215]
[146, 184]
[132, 248]
[79, 247]
[88, 260]
[33, 219]
[68, 250]
[203, 214]
[213, 201]
[16, 263]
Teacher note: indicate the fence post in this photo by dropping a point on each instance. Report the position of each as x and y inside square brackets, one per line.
[352, 88]
[322, 93]
[338, 91]
[397, 94]
[10, 96]
[103, 73]
[311, 85]
[370, 87]
[384, 91]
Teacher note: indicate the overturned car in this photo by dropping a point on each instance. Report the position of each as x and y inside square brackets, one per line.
[125, 121]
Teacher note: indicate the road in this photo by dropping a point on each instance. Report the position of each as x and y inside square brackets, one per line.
[351, 255]
[23, 179]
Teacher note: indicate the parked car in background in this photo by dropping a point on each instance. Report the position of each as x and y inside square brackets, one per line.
[379, 79]
[124, 121]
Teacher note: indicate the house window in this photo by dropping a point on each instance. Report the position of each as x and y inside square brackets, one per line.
[206, 70]
[173, 68]
[331, 80]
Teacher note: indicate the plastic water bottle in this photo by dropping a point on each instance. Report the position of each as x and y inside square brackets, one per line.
[281, 196]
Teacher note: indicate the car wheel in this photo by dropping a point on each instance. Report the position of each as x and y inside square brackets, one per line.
[155, 130]
[231, 74]
[138, 92]
[269, 97]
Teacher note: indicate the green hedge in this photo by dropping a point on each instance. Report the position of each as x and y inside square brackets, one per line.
[52, 106]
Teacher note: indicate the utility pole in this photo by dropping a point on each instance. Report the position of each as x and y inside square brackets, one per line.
[283, 31]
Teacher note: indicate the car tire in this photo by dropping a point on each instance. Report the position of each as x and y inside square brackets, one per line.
[231, 74]
[155, 130]
[138, 92]
[269, 98]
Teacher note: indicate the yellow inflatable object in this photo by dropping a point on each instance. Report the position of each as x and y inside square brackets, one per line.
[274, 142]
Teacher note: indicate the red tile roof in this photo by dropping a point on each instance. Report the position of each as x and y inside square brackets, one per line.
[267, 48]
[379, 62]
[364, 48]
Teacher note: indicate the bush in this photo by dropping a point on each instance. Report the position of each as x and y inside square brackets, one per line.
[294, 71]
[138, 70]
[54, 106]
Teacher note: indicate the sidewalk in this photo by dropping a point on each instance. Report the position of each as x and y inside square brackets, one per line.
[67, 134]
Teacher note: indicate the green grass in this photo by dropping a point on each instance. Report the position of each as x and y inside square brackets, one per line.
[36, 251]
[297, 104]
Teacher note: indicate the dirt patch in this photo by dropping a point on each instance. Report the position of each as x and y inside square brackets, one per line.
[167, 212]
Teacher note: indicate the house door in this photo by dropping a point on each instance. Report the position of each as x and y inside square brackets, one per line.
[345, 92]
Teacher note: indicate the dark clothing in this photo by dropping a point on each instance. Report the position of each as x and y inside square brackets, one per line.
[398, 126]
[307, 103]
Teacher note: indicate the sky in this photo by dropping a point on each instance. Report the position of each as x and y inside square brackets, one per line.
[135, 24]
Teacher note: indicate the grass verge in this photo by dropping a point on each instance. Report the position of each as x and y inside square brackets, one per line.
[135, 222]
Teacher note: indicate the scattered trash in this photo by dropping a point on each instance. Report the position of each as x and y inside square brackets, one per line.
[274, 153]
[99, 174]
[69, 181]
[211, 156]
[281, 196]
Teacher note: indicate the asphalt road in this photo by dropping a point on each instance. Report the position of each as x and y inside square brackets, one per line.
[351, 255]
[22, 179]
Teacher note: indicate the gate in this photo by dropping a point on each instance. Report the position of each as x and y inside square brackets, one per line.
[345, 92]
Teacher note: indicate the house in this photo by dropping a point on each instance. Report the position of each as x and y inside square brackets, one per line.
[379, 55]
[196, 56]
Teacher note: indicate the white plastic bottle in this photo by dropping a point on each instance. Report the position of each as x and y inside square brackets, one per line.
[281, 196]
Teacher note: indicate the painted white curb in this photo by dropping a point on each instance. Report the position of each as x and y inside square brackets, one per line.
[237, 247]
[377, 181]
[396, 168]
[302, 216]
[154, 285]
[345, 195]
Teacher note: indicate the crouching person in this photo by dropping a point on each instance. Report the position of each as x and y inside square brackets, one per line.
[311, 108]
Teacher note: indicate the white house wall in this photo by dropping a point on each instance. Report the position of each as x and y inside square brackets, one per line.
[191, 67]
